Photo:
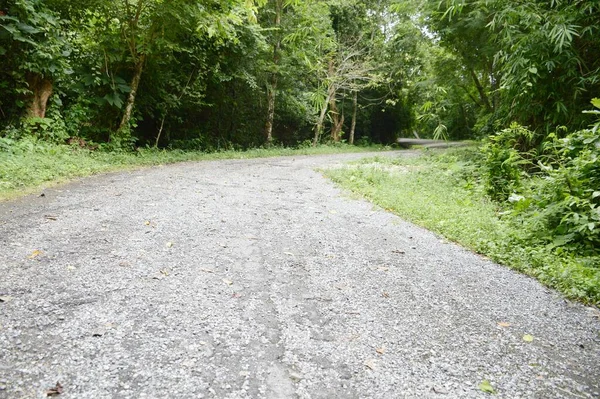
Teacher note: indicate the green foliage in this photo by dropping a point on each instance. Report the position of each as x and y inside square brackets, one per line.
[506, 157]
[561, 206]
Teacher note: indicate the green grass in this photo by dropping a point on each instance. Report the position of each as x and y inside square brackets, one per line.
[25, 167]
[438, 191]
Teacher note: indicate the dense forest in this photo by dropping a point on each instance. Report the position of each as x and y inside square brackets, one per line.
[218, 74]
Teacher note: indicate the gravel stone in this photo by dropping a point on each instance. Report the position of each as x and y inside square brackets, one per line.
[116, 287]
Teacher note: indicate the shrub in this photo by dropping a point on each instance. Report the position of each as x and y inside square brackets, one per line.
[507, 154]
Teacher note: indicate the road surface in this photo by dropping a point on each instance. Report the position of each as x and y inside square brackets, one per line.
[261, 279]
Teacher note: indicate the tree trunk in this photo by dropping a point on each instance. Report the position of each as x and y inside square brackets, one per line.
[337, 120]
[41, 90]
[272, 88]
[135, 82]
[354, 109]
[321, 120]
[484, 98]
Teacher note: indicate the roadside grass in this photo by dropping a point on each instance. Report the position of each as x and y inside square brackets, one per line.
[440, 191]
[26, 167]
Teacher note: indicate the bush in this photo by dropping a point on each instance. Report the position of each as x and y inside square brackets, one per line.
[562, 206]
[506, 155]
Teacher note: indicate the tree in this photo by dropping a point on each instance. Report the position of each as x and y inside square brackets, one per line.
[33, 48]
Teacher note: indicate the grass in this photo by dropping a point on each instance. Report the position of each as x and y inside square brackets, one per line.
[26, 167]
[438, 191]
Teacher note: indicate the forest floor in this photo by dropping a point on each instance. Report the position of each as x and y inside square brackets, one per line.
[260, 278]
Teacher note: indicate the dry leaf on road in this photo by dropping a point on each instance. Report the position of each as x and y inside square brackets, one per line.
[56, 390]
[370, 363]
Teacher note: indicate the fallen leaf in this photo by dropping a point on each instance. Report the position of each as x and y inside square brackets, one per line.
[439, 389]
[207, 270]
[528, 338]
[333, 212]
[295, 376]
[503, 324]
[165, 272]
[383, 268]
[6, 298]
[385, 294]
[147, 223]
[381, 351]
[485, 386]
[228, 282]
[370, 363]
[399, 251]
[56, 390]
[50, 217]
[288, 253]
[169, 244]
[35, 254]
[236, 295]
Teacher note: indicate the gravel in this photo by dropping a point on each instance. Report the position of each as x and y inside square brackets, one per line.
[259, 278]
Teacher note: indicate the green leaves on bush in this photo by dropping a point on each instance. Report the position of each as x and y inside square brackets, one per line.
[553, 192]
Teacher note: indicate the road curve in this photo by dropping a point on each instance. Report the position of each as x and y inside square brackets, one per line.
[260, 279]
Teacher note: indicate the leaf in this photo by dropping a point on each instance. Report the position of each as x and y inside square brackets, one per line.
[228, 282]
[207, 270]
[56, 390]
[169, 244]
[6, 298]
[399, 251]
[596, 102]
[370, 363]
[528, 338]
[147, 223]
[503, 324]
[485, 386]
[114, 99]
[381, 351]
[333, 212]
[35, 254]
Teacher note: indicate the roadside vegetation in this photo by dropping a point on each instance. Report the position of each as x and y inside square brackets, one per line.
[535, 209]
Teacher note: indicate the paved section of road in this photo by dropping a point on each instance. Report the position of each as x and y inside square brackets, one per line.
[260, 279]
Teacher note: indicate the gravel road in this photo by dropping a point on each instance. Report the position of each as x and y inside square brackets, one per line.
[261, 279]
